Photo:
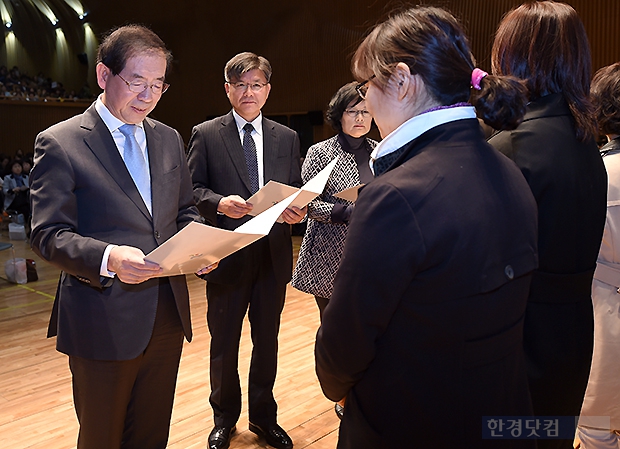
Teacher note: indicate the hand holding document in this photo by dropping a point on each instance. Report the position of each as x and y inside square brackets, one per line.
[273, 192]
[350, 194]
[197, 245]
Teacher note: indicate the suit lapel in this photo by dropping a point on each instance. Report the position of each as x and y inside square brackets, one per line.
[270, 150]
[156, 167]
[101, 143]
[230, 136]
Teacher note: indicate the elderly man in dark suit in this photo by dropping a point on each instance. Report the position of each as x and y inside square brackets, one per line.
[230, 157]
[109, 186]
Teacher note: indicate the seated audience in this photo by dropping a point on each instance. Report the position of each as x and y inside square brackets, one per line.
[15, 85]
[16, 191]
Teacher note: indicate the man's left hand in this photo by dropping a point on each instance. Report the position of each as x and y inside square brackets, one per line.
[207, 269]
[294, 214]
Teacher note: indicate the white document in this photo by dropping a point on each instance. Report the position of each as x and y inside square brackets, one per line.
[350, 194]
[197, 245]
[273, 192]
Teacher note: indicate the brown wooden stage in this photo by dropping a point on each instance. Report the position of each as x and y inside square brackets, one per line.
[36, 408]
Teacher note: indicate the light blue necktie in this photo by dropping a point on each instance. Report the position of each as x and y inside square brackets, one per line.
[136, 164]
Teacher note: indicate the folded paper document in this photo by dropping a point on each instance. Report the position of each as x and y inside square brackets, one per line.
[350, 194]
[197, 245]
[273, 192]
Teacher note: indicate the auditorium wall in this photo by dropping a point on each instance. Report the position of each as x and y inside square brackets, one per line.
[308, 43]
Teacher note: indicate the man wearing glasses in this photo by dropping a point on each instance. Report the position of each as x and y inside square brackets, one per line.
[230, 158]
[107, 187]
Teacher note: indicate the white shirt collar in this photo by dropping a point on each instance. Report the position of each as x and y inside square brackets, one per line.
[257, 123]
[110, 121]
[418, 125]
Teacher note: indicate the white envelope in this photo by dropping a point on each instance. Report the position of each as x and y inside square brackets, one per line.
[273, 192]
[197, 245]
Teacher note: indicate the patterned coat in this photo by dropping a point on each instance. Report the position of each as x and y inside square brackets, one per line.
[321, 248]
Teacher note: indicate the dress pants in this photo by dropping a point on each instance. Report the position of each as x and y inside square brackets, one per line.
[128, 404]
[558, 341]
[227, 306]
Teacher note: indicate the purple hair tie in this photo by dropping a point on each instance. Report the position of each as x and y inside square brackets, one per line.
[476, 76]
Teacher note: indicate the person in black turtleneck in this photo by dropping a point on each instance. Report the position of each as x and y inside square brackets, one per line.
[328, 216]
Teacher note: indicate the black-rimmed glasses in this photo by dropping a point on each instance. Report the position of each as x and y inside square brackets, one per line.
[353, 113]
[138, 87]
[362, 87]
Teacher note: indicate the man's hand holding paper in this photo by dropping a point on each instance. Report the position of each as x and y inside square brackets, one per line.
[274, 192]
[208, 269]
[198, 245]
[234, 206]
[130, 266]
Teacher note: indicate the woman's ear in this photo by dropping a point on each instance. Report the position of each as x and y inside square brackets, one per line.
[403, 78]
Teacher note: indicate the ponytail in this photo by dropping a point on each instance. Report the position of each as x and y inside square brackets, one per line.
[500, 101]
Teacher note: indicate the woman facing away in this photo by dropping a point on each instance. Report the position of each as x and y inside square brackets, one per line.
[423, 332]
[602, 397]
[545, 45]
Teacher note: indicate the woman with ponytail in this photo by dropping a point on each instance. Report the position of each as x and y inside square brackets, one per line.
[423, 332]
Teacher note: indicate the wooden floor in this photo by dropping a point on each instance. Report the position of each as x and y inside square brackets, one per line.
[36, 409]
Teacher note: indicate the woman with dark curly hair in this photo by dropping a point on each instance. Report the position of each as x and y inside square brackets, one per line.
[545, 45]
[603, 393]
[423, 332]
[328, 216]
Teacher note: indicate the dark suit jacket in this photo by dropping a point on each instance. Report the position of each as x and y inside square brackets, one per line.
[423, 331]
[83, 198]
[569, 182]
[218, 168]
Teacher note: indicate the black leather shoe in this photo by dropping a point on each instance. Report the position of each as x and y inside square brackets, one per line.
[219, 438]
[274, 435]
[339, 409]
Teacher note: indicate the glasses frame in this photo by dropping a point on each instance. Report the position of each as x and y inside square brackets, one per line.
[247, 86]
[164, 87]
[364, 113]
[360, 86]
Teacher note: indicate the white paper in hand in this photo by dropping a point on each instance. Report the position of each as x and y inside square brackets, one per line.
[262, 223]
[197, 245]
[350, 194]
[273, 192]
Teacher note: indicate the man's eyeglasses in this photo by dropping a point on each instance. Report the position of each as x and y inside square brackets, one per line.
[362, 87]
[353, 113]
[256, 87]
[138, 87]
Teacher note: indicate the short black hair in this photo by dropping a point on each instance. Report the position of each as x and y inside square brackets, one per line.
[339, 103]
[127, 41]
